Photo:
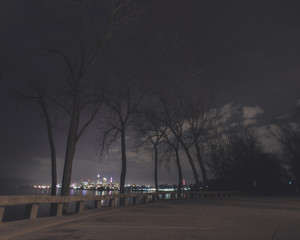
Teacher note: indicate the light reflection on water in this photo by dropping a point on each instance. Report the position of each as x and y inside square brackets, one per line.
[17, 212]
[8, 191]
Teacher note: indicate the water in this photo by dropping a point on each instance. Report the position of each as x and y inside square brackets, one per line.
[27, 190]
[16, 212]
[23, 190]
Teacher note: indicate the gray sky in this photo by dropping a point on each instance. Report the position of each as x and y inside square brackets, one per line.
[248, 52]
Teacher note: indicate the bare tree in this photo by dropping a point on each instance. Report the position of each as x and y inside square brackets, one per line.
[174, 146]
[152, 131]
[40, 97]
[122, 99]
[237, 161]
[92, 39]
[288, 135]
[198, 119]
[174, 118]
[175, 91]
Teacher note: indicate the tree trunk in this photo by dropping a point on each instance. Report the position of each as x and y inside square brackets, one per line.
[67, 174]
[155, 167]
[196, 176]
[52, 148]
[180, 179]
[71, 142]
[53, 162]
[124, 161]
[201, 164]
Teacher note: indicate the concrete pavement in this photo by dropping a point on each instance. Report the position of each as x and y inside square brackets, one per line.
[241, 218]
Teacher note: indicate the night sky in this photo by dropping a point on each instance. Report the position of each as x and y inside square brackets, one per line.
[248, 52]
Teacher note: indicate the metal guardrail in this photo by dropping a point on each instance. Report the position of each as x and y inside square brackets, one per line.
[32, 201]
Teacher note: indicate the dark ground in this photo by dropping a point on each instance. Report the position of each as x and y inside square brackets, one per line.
[242, 218]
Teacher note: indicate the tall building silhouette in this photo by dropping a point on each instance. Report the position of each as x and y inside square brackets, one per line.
[98, 179]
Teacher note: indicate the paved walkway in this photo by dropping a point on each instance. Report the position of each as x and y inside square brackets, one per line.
[242, 218]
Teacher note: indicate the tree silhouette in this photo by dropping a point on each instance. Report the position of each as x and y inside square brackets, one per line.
[152, 131]
[89, 37]
[39, 96]
[288, 135]
[174, 118]
[237, 161]
[122, 98]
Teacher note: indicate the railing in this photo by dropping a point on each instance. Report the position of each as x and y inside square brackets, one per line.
[57, 202]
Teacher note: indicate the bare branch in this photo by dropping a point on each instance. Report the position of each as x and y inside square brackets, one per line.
[54, 49]
[92, 117]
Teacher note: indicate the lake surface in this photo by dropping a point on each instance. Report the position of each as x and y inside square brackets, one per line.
[17, 212]
[27, 190]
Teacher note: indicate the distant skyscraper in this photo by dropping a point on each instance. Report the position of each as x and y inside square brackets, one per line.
[110, 180]
[104, 181]
[98, 179]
